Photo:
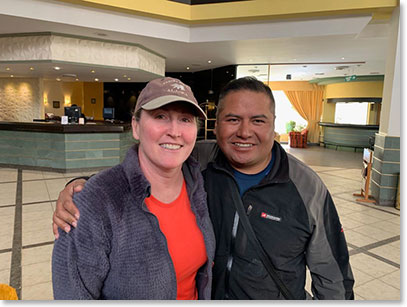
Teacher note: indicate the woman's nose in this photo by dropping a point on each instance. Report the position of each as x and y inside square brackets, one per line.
[174, 129]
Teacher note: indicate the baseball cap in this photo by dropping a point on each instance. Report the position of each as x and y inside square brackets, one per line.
[162, 91]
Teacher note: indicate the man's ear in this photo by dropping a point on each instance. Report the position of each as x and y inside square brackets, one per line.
[135, 128]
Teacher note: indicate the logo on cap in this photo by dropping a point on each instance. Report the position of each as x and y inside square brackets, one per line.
[178, 87]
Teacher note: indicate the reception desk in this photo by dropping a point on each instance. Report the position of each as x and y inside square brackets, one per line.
[63, 148]
[347, 135]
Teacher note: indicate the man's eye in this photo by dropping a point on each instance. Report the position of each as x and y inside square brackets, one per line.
[231, 120]
[259, 121]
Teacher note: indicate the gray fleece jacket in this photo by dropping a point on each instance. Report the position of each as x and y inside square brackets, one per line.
[117, 250]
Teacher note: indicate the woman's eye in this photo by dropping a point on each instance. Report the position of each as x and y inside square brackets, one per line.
[160, 116]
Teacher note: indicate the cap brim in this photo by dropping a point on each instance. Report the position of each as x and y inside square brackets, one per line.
[164, 100]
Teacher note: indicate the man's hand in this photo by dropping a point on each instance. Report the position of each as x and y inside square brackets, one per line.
[66, 213]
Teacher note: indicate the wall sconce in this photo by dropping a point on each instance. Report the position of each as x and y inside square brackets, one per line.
[67, 100]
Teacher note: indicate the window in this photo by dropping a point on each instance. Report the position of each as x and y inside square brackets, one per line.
[351, 113]
[285, 112]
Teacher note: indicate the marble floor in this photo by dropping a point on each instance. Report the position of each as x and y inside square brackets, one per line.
[27, 201]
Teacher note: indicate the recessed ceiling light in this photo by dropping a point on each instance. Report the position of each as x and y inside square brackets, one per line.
[31, 68]
[342, 58]
[96, 79]
[11, 76]
[57, 68]
[129, 78]
[92, 71]
[116, 79]
[209, 61]
[58, 79]
[76, 79]
[187, 67]
[7, 68]
[124, 76]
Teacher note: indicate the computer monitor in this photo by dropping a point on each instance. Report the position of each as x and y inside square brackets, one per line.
[73, 113]
[108, 113]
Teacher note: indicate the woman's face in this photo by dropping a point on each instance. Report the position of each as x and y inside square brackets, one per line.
[167, 136]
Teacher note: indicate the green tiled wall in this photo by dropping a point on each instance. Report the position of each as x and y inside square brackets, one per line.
[63, 151]
[385, 169]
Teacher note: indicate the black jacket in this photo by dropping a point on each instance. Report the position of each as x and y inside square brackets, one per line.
[293, 216]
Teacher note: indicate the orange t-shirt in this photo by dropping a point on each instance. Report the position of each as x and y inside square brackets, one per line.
[184, 239]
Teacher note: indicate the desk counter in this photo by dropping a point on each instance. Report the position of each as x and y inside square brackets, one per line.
[63, 148]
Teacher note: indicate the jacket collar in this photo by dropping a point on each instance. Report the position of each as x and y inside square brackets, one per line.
[278, 174]
[140, 187]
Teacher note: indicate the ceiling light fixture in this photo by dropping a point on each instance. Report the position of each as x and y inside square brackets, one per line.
[58, 79]
[31, 68]
[209, 61]
[57, 68]
[116, 79]
[124, 76]
[92, 71]
[12, 76]
[7, 68]
[129, 78]
[187, 67]
[96, 79]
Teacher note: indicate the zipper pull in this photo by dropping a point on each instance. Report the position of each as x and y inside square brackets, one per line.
[249, 210]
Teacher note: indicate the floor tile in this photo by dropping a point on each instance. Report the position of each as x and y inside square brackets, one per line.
[32, 175]
[5, 261]
[6, 240]
[358, 239]
[36, 273]
[392, 279]
[34, 191]
[373, 232]
[8, 174]
[378, 290]
[363, 218]
[5, 276]
[55, 186]
[388, 252]
[39, 236]
[360, 277]
[42, 291]
[37, 254]
[8, 193]
[371, 266]
[49, 175]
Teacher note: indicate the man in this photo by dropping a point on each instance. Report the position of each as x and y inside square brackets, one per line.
[289, 208]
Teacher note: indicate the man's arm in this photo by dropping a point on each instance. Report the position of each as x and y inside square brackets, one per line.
[66, 213]
[328, 258]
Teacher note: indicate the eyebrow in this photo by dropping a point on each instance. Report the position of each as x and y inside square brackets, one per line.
[252, 117]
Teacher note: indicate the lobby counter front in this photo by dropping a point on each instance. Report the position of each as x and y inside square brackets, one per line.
[347, 136]
[63, 148]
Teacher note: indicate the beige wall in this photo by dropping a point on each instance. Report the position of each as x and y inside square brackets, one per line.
[67, 93]
[79, 93]
[349, 90]
[21, 99]
[93, 90]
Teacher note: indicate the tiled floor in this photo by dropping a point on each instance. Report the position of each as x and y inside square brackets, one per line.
[27, 201]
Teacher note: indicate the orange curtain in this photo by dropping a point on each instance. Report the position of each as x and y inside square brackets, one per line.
[309, 105]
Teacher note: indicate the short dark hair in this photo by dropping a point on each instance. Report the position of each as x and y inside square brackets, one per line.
[245, 83]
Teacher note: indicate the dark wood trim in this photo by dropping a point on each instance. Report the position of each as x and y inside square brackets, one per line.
[355, 99]
[368, 127]
[52, 127]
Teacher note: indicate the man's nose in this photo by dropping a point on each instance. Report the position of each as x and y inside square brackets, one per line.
[244, 130]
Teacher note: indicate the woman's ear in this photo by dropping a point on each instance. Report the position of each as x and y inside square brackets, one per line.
[135, 128]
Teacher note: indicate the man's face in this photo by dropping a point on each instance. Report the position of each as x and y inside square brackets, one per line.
[245, 130]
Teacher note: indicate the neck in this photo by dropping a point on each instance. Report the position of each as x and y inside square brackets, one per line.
[166, 184]
[253, 169]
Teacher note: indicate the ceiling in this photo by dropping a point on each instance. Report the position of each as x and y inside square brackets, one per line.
[305, 49]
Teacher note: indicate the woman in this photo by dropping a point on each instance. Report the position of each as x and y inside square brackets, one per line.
[144, 231]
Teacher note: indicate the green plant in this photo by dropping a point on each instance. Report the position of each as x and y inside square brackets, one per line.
[299, 128]
[289, 126]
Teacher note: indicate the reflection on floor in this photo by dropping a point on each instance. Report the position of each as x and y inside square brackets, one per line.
[27, 201]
